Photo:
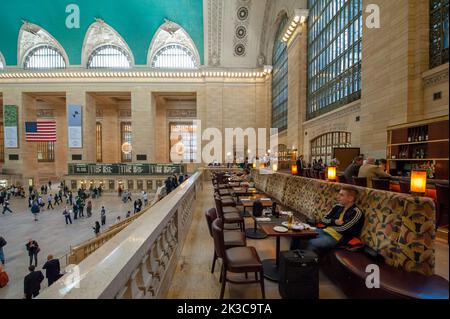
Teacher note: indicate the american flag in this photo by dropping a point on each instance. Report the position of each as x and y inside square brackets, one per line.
[41, 131]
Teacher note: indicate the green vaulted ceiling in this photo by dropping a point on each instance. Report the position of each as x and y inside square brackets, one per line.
[135, 20]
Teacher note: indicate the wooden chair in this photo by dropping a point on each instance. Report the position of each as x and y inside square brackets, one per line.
[442, 205]
[231, 238]
[236, 260]
[360, 181]
[229, 215]
[381, 184]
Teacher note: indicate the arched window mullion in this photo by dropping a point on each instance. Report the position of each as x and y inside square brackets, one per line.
[109, 56]
[44, 57]
[174, 56]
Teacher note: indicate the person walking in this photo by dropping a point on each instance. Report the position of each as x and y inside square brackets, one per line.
[103, 216]
[75, 211]
[145, 197]
[52, 269]
[35, 210]
[49, 201]
[89, 209]
[6, 206]
[2, 253]
[32, 283]
[96, 229]
[135, 206]
[50, 184]
[33, 249]
[66, 214]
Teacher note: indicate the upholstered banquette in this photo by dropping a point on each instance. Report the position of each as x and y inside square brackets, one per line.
[398, 227]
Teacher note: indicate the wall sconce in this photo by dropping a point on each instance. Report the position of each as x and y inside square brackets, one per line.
[418, 182]
[331, 173]
[254, 164]
[294, 169]
[300, 16]
[275, 167]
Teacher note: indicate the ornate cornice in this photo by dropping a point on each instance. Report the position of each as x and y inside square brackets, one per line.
[45, 113]
[188, 113]
[436, 78]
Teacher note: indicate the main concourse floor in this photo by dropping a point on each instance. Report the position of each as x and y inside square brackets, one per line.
[52, 234]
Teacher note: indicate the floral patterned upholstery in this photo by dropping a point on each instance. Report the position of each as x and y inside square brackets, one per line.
[399, 227]
[276, 184]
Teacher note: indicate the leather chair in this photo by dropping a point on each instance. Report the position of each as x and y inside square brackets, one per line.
[227, 200]
[360, 181]
[405, 187]
[442, 205]
[229, 215]
[381, 184]
[236, 260]
[231, 238]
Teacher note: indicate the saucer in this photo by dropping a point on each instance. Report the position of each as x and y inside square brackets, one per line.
[280, 229]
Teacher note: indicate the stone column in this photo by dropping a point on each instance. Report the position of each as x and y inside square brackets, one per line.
[87, 102]
[143, 114]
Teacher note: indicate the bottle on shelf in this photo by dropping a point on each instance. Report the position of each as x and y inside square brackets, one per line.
[426, 133]
[420, 134]
[409, 135]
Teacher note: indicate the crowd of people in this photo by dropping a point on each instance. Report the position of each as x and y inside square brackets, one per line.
[74, 205]
[174, 181]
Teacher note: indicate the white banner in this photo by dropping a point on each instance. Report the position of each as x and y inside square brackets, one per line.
[75, 140]
[11, 137]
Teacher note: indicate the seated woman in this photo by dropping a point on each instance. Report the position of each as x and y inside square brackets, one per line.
[343, 222]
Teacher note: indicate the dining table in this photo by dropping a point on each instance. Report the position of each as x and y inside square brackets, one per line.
[255, 232]
[271, 266]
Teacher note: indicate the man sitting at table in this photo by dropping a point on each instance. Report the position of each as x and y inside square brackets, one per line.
[343, 223]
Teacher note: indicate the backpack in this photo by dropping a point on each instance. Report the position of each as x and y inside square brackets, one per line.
[4, 279]
[2, 242]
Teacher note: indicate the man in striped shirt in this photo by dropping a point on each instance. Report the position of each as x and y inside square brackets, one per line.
[343, 223]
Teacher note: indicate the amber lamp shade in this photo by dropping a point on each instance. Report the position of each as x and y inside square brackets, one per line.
[275, 167]
[294, 169]
[419, 182]
[332, 173]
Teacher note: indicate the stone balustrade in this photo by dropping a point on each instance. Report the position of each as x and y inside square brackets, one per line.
[140, 260]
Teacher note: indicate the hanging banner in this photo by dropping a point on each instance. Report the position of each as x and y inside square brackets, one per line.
[11, 120]
[74, 120]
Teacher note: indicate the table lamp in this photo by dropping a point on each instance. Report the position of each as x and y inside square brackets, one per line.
[331, 173]
[418, 183]
[294, 169]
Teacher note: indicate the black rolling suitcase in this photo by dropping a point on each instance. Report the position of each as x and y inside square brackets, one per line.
[299, 274]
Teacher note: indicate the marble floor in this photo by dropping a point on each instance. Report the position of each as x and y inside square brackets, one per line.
[52, 234]
[193, 279]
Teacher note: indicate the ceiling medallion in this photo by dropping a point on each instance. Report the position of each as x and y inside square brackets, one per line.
[241, 32]
[239, 49]
[242, 13]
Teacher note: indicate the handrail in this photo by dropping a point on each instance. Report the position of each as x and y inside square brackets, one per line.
[82, 250]
[138, 262]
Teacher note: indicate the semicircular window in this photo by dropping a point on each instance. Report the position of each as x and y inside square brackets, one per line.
[174, 56]
[109, 57]
[44, 57]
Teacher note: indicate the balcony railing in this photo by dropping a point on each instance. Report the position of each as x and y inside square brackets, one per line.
[140, 260]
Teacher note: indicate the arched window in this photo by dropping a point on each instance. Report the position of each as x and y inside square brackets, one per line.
[280, 81]
[173, 48]
[44, 57]
[323, 145]
[174, 56]
[109, 56]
